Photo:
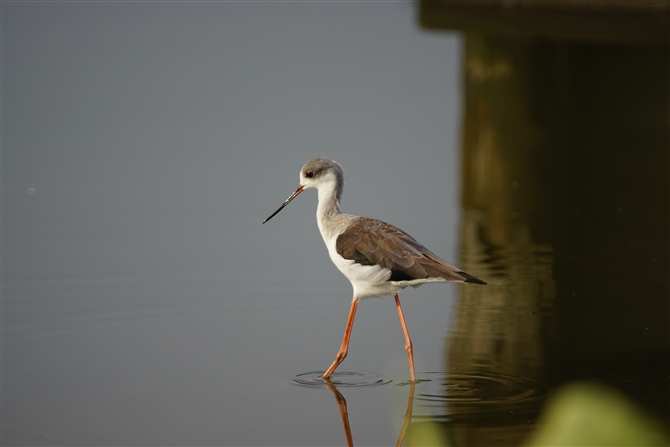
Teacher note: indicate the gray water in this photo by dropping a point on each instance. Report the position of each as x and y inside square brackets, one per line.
[143, 303]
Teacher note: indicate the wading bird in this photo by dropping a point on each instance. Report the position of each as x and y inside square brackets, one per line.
[378, 258]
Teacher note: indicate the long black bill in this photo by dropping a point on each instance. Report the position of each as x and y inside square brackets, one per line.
[291, 197]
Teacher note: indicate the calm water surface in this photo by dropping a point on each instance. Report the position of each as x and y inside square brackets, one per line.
[211, 355]
[94, 354]
[194, 357]
[143, 303]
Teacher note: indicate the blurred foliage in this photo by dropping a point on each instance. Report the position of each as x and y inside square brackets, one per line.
[587, 414]
[426, 433]
[579, 414]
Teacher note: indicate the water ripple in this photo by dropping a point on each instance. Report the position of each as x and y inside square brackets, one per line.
[469, 395]
[340, 379]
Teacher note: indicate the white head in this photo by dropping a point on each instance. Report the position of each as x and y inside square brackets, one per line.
[319, 173]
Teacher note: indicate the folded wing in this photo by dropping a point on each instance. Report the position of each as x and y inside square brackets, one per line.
[370, 241]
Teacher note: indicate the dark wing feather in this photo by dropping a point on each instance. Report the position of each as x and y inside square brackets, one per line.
[369, 241]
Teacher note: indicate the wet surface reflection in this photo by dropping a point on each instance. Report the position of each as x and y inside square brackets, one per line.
[332, 386]
[449, 401]
[566, 221]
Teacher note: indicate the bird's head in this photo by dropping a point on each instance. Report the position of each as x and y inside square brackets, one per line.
[317, 173]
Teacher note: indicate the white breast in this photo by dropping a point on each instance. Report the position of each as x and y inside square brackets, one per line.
[369, 280]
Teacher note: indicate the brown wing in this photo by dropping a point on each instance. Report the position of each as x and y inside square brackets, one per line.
[369, 241]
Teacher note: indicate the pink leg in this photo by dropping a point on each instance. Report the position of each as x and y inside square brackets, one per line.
[345, 341]
[408, 341]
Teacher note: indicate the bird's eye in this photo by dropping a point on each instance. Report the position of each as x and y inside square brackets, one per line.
[309, 174]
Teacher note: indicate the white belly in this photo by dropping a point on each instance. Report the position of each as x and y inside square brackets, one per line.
[370, 280]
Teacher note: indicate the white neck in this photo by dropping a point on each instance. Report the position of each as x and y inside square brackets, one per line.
[329, 205]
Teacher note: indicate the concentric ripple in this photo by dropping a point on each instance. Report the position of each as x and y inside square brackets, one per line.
[340, 379]
[470, 395]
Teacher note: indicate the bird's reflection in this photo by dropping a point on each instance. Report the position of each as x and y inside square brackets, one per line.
[408, 414]
[342, 405]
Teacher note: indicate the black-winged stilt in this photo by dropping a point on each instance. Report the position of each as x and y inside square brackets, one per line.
[378, 258]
